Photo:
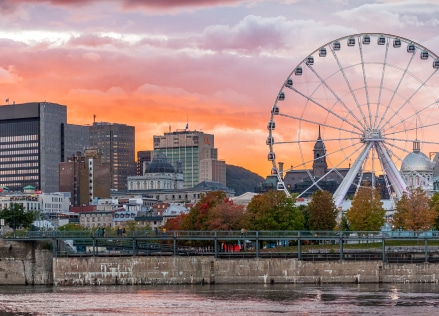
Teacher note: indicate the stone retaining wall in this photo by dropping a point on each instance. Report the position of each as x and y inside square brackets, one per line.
[199, 270]
[23, 263]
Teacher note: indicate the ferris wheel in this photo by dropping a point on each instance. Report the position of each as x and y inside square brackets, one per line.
[350, 112]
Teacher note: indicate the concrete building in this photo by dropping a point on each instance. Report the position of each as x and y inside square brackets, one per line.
[116, 142]
[85, 177]
[213, 170]
[34, 138]
[190, 148]
[96, 219]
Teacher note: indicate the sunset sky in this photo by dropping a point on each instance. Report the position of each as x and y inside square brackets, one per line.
[159, 64]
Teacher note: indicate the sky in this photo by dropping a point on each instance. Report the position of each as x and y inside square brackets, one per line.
[216, 65]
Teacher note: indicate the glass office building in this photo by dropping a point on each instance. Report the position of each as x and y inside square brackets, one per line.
[32, 144]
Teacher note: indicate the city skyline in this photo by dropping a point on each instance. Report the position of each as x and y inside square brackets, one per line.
[163, 66]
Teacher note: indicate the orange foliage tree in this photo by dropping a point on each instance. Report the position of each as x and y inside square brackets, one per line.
[414, 211]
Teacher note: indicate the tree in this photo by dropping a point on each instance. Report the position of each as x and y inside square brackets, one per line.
[214, 211]
[226, 216]
[366, 212]
[15, 216]
[196, 219]
[322, 211]
[434, 204]
[273, 211]
[414, 211]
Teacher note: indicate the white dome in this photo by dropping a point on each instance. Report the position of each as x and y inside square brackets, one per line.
[416, 161]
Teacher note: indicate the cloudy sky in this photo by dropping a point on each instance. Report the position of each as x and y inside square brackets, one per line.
[159, 64]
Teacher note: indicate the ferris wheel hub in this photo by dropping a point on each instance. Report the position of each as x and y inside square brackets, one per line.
[372, 135]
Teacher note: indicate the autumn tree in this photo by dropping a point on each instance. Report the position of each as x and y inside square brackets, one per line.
[322, 211]
[366, 212]
[434, 204]
[197, 218]
[175, 223]
[273, 210]
[226, 216]
[414, 211]
[214, 211]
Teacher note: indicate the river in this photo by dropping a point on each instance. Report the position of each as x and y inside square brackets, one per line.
[236, 300]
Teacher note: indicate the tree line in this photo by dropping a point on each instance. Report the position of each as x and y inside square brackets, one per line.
[273, 210]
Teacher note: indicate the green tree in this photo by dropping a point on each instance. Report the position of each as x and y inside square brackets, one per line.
[273, 211]
[414, 211]
[434, 204]
[366, 212]
[16, 216]
[322, 211]
[71, 227]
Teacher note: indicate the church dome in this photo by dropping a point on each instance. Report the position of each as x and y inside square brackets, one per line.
[416, 161]
[160, 164]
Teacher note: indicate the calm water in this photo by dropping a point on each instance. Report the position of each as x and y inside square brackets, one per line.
[236, 300]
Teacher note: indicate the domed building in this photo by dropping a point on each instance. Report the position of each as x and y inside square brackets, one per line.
[417, 169]
[159, 175]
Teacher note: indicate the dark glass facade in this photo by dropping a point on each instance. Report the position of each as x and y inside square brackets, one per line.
[116, 142]
[19, 153]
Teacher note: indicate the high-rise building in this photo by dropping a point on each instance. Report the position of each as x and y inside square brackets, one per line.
[143, 158]
[34, 138]
[189, 148]
[116, 142]
[85, 177]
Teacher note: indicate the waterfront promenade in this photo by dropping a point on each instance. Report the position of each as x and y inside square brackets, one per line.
[398, 247]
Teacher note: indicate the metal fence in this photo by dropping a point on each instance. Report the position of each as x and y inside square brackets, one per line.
[398, 247]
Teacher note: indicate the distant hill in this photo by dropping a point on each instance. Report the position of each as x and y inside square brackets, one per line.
[242, 180]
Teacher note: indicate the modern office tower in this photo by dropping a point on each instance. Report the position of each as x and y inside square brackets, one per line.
[32, 143]
[143, 157]
[189, 148]
[75, 138]
[85, 177]
[116, 142]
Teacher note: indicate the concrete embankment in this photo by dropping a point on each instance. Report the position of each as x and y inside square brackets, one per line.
[25, 263]
[204, 270]
[31, 262]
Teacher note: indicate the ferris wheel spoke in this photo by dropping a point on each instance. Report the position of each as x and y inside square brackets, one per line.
[340, 67]
[326, 155]
[366, 86]
[404, 140]
[336, 96]
[381, 85]
[395, 92]
[313, 140]
[322, 124]
[423, 127]
[410, 97]
[325, 108]
[427, 107]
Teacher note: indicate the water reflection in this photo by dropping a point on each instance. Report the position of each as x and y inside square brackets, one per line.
[290, 299]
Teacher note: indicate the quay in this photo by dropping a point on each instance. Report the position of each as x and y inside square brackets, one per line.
[186, 257]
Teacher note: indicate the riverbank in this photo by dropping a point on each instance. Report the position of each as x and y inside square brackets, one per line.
[32, 263]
